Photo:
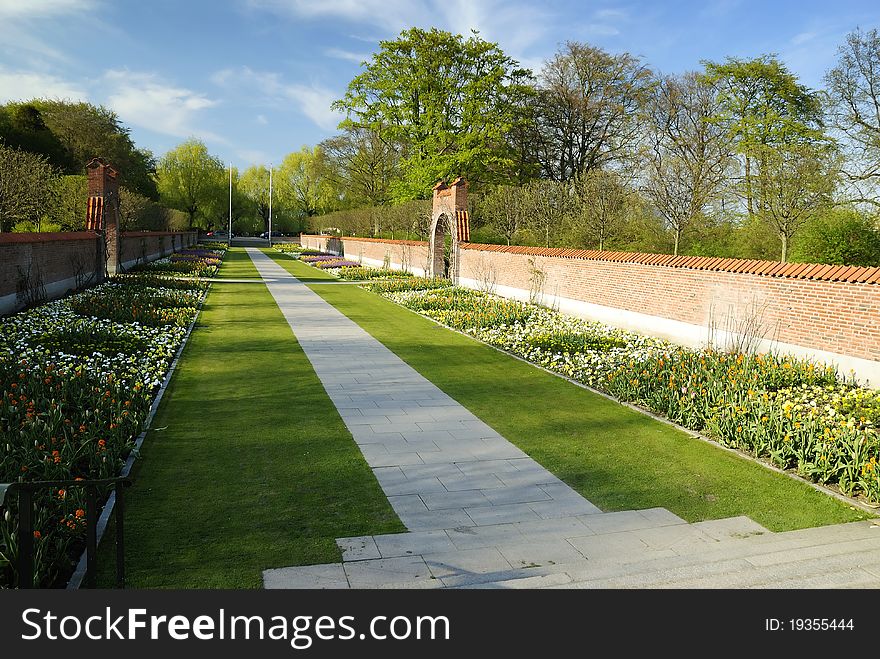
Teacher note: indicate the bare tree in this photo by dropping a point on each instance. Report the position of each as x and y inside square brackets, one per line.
[797, 181]
[603, 201]
[854, 106]
[363, 164]
[546, 206]
[502, 209]
[686, 155]
[587, 109]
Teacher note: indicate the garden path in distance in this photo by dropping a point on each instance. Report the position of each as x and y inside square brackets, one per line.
[482, 514]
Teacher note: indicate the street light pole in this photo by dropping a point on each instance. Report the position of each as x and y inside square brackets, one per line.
[270, 205]
[230, 207]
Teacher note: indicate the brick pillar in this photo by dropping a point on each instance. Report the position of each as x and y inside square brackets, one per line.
[103, 209]
[459, 194]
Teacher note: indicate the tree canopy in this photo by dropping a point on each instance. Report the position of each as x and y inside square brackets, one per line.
[447, 100]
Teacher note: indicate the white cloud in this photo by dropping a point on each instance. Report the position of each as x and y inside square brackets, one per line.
[611, 14]
[145, 100]
[252, 156]
[312, 100]
[803, 37]
[602, 30]
[261, 119]
[25, 85]
[515, 25]
[338, 53]
[315, 103]
[11, 9]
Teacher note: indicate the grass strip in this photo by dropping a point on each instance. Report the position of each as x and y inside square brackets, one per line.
[616, 457]
[249, 465]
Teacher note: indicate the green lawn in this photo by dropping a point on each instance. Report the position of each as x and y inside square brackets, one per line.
[237, 265]
[249, 466]
[617, 458]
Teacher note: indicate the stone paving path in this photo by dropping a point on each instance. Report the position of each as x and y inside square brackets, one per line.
[481, 513]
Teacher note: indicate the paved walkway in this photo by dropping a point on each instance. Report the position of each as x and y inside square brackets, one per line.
[481, 513]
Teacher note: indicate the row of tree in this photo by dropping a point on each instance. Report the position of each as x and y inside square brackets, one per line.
[189, 178]
[597, 146]
[596, 150]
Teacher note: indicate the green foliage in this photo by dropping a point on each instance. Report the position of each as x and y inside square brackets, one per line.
[70, 134]
[303, 184]
[448, 101]
[364, 165]
[563, 341]
[253, 184]
[842, 236]
[22, 127]
[762, 103]
[27, 187]
[69, 209]
[193, 181]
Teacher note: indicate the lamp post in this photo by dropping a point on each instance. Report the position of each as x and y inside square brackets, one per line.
[270, 206]
[229, 236]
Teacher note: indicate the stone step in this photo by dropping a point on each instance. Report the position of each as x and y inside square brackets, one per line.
[534, 541]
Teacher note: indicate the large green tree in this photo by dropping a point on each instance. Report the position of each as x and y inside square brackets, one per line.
[190, 179]
[797, 181]
[841, 235]
[71, 197]
[763, 107]
[602, 203]
[449, 101]
[502, 211]
[254, 185]
[303, 183]
[69, 135]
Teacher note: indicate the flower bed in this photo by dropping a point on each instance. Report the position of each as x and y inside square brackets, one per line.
[311, 259]
[215, 245]
[292, 249]
[195, 261]
[333, 263]
[410, 284]
[77, 379]
[794, 413]
[357, 273]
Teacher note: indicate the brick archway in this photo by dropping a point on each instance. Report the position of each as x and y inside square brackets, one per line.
[448, 216]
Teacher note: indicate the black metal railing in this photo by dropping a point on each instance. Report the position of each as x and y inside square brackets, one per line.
[25, 563]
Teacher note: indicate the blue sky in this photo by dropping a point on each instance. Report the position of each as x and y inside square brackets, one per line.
[254, 78]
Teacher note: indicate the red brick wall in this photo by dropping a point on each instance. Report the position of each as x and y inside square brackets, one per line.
[841, 317]
[57, 257]
[53, 257]
[835, 316]
[410, 253]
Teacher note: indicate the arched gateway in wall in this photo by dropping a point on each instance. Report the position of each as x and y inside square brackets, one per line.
[449, 216]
